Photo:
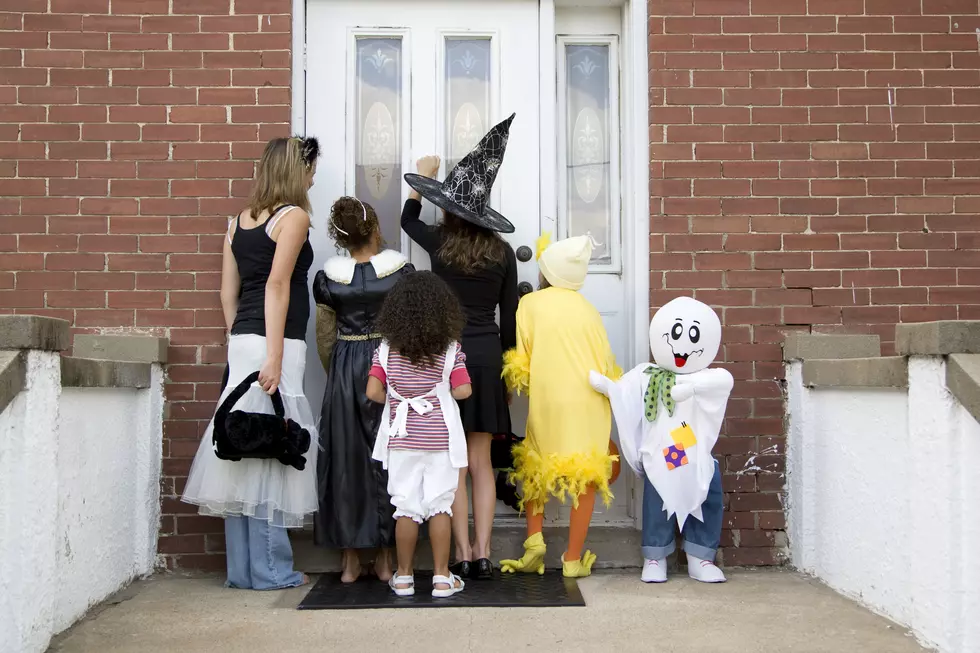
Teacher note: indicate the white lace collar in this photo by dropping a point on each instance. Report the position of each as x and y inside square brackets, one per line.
[385, 263]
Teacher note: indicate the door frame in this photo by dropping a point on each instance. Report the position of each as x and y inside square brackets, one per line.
[634, 152]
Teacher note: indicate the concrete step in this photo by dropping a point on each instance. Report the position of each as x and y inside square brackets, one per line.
[616, 548]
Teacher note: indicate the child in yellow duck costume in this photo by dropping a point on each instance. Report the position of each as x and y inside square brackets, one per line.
[560, 339]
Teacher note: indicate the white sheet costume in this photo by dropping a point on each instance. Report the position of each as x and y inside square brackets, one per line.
[669, 414]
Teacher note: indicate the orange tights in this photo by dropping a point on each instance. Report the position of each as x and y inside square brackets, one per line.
[578, 527]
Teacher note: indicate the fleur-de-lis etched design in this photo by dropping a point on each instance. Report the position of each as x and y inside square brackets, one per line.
[467, 130]
[468, 61]
[378, 175]
[379, 146]
[587, 155]
[586, 66]
[379, 60]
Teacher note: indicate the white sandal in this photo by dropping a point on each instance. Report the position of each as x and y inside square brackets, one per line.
[396, 580]
[450, 580]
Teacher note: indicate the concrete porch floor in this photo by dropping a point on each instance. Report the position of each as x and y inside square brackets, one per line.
[755, 611]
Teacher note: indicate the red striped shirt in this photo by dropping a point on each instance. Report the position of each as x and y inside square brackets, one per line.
[422, 432]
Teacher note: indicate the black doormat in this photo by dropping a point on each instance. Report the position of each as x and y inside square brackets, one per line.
[504, 591]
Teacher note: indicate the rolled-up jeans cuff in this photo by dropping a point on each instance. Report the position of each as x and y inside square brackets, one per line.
[658, 552]
[699, 551]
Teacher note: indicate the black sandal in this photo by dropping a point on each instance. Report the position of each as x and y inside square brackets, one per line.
[482, 569]
[463, 569]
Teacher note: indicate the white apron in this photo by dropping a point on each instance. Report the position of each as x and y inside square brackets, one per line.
[390, 429]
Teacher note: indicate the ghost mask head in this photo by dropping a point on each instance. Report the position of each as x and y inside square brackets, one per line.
[685, 335]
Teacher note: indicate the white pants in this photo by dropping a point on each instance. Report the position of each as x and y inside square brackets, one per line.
[421, 483]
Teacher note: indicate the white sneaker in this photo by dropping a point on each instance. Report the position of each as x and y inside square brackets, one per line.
[654, 571]
[704, 571]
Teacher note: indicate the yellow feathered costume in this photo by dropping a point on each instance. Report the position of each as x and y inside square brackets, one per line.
[560, 339]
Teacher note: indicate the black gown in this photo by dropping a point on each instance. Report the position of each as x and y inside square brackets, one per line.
[355, 509]
[484, 343]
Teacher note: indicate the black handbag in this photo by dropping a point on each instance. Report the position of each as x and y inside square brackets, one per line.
[238, 434]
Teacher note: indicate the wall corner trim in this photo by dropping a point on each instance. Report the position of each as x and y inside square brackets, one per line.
[13, 376]
[938, 338]
[878, 372]
[91, 373]
[824, 346]
[129, 348]
[963, 381]
[34, 332]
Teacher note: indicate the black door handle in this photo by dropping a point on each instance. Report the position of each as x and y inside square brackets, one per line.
[524, 253]
[524, 288]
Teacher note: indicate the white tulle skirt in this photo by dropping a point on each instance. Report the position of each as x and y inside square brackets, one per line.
[260, 488]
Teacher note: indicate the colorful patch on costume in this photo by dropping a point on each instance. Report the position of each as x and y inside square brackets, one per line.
[684, 436]
[675, 457]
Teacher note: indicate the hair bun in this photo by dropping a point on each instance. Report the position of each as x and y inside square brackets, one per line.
[310, 149]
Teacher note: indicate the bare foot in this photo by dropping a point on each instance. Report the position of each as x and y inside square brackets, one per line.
[382, 568]
[306, 581]
[352, 570]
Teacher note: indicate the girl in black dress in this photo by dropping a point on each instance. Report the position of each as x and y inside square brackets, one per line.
[467, 252]
[355, 509]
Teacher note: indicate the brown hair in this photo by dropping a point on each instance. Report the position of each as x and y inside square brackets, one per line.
[281, 177]
[468, 247]
[352, 224]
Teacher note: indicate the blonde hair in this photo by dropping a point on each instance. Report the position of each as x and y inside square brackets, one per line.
[281, 177]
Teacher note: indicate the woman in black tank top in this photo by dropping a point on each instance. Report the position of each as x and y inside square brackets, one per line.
[266, 304]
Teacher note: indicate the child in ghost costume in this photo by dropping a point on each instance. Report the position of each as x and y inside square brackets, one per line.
[669, 415]
[560, 339]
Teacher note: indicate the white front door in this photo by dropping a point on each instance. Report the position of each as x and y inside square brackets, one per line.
[391, 80]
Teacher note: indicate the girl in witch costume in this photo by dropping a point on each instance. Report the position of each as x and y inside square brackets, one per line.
[560, 339]
[266, 304]
[669, 416]
[481, 268]
[355, 509]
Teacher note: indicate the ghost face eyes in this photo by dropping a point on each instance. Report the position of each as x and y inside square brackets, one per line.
[693, 334]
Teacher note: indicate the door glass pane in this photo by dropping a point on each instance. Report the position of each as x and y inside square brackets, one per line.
[588, 172]
[467, 95]
[378, 135]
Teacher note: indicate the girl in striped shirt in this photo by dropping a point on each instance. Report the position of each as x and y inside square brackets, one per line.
[419, 373]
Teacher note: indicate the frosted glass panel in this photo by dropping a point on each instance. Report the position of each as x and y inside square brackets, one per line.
[378, 160]
[589, 183]
[467, 95]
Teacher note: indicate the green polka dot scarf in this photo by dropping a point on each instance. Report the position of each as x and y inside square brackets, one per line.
[658, 391]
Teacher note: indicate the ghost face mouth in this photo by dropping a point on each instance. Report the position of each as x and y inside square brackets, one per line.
[680, 360]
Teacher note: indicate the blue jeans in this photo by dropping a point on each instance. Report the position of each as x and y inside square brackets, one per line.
[259, 555]
[701, 539]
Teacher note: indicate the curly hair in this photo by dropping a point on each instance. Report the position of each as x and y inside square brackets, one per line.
[353, 224]
[420, 317]
[467, 247]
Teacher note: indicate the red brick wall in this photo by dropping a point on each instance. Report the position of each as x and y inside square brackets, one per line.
[781, 191]
[125, 138]
[785, 193]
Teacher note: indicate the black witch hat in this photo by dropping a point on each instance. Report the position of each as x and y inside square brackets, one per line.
[466, 188]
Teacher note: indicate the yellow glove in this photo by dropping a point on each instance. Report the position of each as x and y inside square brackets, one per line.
[578, 568]
[533, 560]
